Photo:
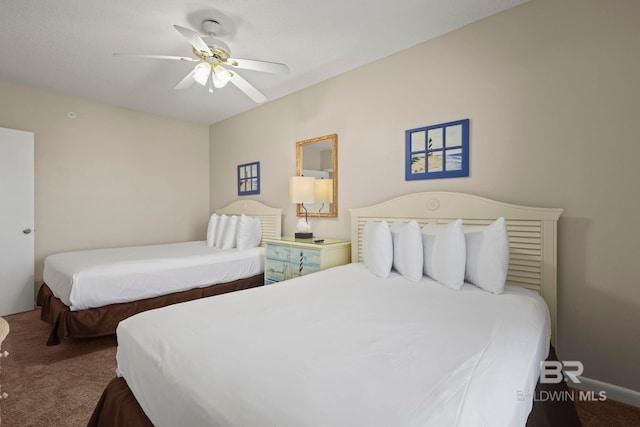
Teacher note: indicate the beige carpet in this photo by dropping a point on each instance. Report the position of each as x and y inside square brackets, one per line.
[607, 413]
[52, 386]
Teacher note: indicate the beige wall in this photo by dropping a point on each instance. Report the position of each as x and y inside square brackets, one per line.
[552, 91]
[111, 176]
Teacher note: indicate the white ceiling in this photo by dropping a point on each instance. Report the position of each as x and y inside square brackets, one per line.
[67, 46]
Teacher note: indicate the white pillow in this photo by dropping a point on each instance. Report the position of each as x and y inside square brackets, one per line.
[377, 248]
[444, 253]
[249, 232]
[211, 229]
[407, 249]
[220, 230]
[229, 237]
[487, 256]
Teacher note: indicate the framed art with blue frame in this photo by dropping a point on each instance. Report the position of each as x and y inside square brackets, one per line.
[437, 151]
[249, 179]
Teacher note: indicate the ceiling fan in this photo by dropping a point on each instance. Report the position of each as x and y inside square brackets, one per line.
[212, 56]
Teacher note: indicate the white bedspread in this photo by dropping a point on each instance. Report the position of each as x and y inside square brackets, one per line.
[95, 278]
[339, 348]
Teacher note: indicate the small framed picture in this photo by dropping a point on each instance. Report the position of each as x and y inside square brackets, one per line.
[249, 179]
[437, 151]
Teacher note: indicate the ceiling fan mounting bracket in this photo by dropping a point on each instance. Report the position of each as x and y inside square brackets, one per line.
[211, 27]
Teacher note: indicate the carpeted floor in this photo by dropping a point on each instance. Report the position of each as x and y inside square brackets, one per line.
[607, 413]
[52, 386]
[59, 386]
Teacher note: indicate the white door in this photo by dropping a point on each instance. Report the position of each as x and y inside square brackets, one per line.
[16, 221]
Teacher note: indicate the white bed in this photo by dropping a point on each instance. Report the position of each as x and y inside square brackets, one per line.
[344, 347]
[78, 284]
[95, 278]
[341, 348]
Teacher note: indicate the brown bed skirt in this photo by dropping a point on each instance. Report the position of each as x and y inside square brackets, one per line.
[96, 322]
[118, 407]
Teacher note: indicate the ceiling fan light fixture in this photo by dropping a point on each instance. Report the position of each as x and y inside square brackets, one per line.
[217, 83]
[201, 73]
[220, 76]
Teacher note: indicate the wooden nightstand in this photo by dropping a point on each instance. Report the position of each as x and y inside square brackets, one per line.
[289, 257]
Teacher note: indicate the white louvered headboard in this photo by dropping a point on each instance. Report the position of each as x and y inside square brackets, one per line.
[532, 233]
[270, 218]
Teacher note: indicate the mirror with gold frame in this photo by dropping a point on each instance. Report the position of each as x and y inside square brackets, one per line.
[318, 157]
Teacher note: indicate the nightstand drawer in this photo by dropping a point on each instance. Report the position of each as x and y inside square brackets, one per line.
[288, 258]
[293, 254]
[286, 262]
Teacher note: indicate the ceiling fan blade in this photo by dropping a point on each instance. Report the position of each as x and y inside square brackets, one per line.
[247, 88]
[194, 39]
[253, 64]
[187, 82]
[177, 58]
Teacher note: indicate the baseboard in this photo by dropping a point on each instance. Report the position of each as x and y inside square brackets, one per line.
[614, 392]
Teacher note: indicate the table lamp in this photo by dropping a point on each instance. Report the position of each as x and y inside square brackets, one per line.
[323, 192]
[302, 190]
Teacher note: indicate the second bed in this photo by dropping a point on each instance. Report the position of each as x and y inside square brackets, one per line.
[87, 293]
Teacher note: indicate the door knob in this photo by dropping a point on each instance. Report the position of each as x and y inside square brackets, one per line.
[27, 231]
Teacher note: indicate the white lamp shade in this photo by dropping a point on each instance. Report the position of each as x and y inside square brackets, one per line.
[324, 191]
[202, 72]
[302, 189]
[221, 76]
